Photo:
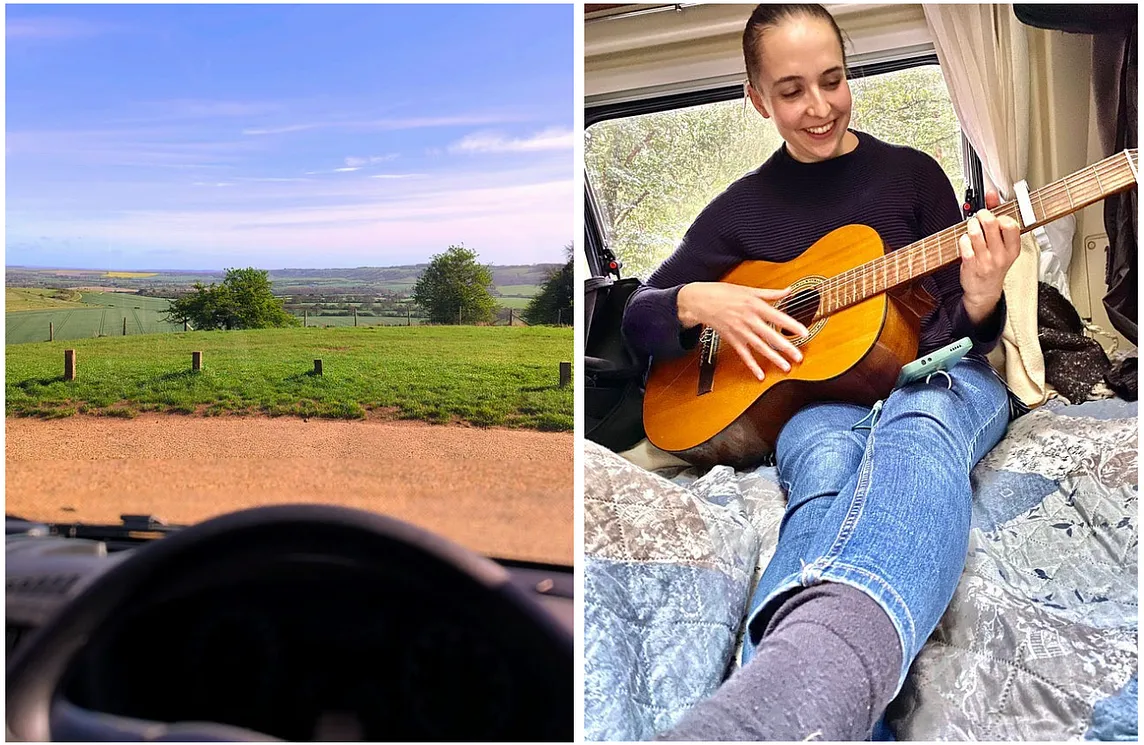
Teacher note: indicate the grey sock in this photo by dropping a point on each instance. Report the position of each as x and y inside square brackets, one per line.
[825, 670]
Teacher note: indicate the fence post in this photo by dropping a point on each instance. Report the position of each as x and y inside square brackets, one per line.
[69, 364]
[408, 317]
[184, 324]
[317, 367]
[510, 316]
[125, 325]
[355, 317]
[305, 318]
[51, 331]
[565, 374]
[196, 361]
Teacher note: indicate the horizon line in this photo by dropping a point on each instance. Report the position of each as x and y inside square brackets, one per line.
[279, 269]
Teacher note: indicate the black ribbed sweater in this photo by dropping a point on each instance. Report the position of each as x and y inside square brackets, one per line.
[779, 210]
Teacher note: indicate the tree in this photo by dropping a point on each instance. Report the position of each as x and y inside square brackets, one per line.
[243, 301]
[455, 288]
[654, 173]
[553, 304]
[912, 107]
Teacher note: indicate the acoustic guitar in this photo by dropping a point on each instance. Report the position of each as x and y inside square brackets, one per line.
[863, 310]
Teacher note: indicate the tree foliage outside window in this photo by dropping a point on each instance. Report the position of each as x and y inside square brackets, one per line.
[653, 173]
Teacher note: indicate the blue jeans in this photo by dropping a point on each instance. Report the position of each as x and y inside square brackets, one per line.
[880, 500]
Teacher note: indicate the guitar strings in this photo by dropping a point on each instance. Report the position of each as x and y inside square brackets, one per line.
[1050, 192]
[943, 241]
[946, 240]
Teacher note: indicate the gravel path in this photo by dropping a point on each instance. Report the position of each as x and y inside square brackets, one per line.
[505, 493]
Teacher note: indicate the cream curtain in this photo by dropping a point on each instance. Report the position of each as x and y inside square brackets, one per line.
[984, 56]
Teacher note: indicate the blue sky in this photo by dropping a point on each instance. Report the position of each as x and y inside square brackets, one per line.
[198, 137]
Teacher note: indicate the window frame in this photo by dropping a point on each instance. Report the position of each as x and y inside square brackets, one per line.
[596, 235]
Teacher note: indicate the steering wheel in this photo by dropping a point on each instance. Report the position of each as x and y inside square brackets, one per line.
[38, 710]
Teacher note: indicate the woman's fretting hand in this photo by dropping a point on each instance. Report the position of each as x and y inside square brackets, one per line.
[741, 316]
[988, 249]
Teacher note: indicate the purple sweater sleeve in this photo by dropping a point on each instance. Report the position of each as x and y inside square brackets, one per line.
[937, 210]
[651, 321]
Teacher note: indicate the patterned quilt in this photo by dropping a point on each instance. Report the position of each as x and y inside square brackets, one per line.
[1039, 642]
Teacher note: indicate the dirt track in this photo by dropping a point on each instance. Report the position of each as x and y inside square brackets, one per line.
[501, 492]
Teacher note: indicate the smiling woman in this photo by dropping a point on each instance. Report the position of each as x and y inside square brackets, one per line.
[220, 216]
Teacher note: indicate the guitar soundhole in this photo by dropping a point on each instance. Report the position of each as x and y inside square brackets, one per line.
[801, 306]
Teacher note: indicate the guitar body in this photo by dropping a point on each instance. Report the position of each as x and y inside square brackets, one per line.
[853, 355]
[707, 407]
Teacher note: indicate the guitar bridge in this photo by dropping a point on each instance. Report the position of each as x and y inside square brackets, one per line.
[708, 353]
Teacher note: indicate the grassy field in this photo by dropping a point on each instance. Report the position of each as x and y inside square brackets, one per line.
[339, 321]
[96, 314]
[516, 296]
[487, 376]
[23, 298]
[522, 290]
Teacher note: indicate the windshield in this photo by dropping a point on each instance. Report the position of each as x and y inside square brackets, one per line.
[311, 253]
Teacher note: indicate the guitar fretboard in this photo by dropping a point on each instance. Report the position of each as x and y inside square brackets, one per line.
[1060, 198]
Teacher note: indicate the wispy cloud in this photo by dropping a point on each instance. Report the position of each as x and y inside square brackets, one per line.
[390, 124]
[352, 160]
[163, 147]
[404, 227]
[347, 169]
[268, 179]
[54, 28]
[178, 166]
[280, 130]
[492, 142]
[192, 108]
[396, 175]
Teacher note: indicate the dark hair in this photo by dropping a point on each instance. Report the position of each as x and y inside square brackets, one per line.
[766, 16]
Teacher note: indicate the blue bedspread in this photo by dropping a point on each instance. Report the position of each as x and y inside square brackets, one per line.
[1039, 641]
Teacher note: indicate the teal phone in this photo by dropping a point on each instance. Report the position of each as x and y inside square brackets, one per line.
[938, 360]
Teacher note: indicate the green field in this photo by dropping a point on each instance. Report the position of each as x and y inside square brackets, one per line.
[518, 280]
[28, 298]
[487, 376]
[97, 314]
[522, 290]
[339, 321]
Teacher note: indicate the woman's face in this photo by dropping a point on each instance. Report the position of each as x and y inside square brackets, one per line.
[802, 78]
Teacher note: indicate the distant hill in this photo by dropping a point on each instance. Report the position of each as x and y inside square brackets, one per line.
[359, 280]
[513, 274]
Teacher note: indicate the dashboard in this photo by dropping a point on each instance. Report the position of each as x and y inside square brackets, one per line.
[304, 646]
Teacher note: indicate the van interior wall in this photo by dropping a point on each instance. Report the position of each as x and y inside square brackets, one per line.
[630, 57]
[1063, 138]
[697, 47]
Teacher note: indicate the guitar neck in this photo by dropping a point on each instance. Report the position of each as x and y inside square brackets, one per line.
[1110, 176]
